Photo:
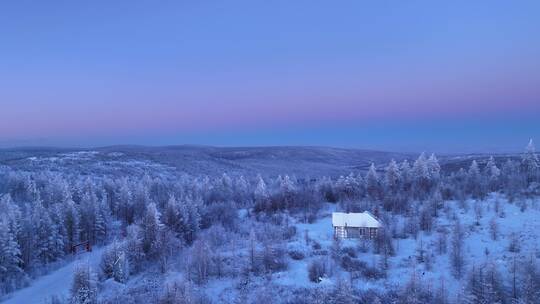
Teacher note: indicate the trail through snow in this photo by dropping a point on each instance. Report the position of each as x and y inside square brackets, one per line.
[55, 283]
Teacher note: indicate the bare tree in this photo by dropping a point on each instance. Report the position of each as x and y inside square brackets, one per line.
[494, 229]
[457, 259]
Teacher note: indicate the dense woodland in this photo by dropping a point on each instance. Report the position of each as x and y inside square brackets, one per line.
[237, 228]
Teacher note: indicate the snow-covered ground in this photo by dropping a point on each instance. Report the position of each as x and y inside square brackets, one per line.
[478, 246]
[56, 283]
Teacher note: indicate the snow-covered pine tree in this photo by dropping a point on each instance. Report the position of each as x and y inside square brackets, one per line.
[103, 218]
[125, 202]
[10, 259]
[56, 212]
[372, 183]
[171, 216]
[474, 180]
[392, 177]
[71, 223]
[140, 199]
[420, 177]
[241, 191]
[150, 228]
[530, 163]
[406, 176]
[434, 168]
[261, 194]
[48, 246]
[492, 174]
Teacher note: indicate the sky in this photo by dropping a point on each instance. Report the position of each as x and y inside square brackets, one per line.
[443, 76]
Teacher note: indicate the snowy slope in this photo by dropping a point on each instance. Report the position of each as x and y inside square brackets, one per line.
[477, 241]
[55, 283]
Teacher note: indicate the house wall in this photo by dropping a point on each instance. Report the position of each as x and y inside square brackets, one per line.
[355, 232]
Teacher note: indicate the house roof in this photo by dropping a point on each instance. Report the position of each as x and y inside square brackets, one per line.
[364, 219]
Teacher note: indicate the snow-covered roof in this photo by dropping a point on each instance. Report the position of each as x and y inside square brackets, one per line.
[364, 219]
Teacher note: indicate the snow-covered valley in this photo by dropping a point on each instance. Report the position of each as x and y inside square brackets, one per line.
[160, 235]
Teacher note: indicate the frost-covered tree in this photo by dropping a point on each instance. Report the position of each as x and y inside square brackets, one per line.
[492, 173]
[392, 177]
[171, 216]
[125, 202]
[343, 293]
[71, 223]
[151, 227]
[134, 248]
[200, 261]
[326, 189]
[474, 180]
[373, 186]
[10, 260]
[529, 282]
[457, 255]
[406, 176]
[241, 191]
[420, 176]
[348, 187]
[83, 287]
[49, 245]
[140, 199]
[261, 194]
[434, 168]
[225, 188]
[114, 264]
[287, 189]
[484, 285]
[529, 162]
[511, 178]
[191, 218]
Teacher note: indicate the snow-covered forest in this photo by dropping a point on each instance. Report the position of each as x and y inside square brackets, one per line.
[451, 235]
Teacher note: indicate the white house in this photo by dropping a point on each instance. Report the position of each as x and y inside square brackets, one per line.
[355, 225]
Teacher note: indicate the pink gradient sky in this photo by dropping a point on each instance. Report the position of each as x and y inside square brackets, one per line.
[79, 75]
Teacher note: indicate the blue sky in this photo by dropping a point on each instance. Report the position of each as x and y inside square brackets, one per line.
[392, 75]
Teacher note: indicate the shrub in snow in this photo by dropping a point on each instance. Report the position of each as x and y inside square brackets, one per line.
[296, 254]
[320, 252]
[217, 235]
[224, 213]
[317, 270]
[372, 273]
[273, 258]
[493, 229]
[289, 232]
[264, 294]
[343, 293]
[352, 264]
[350, 251]
[181, 292]
[514, 245]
